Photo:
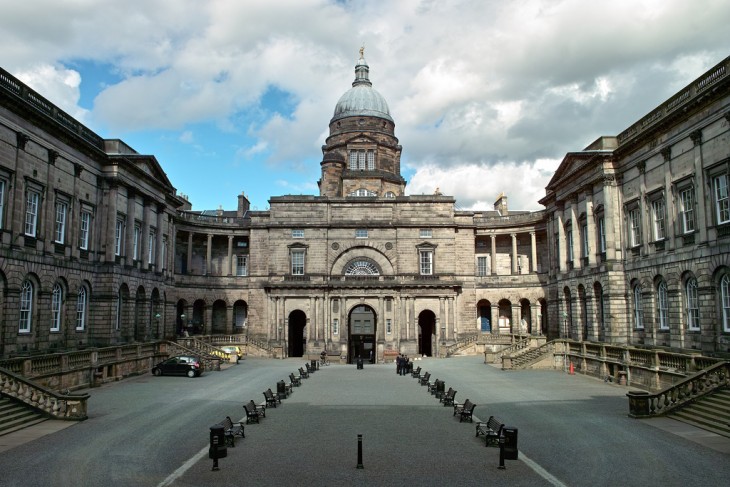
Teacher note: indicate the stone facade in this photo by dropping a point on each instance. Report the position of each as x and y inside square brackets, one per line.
[361, 269]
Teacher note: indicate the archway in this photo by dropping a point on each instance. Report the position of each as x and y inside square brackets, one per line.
[362, 324]
[181, 320]
[297, 339]
[525, 317]
[542, 317]
[484, 316]
[156, 317]
[219, 318]
[426, 332]
[505, 316]
[140, 328]
[198, 320]
[240, 315]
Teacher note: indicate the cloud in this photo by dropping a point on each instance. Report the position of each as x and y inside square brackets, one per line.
[57, 84]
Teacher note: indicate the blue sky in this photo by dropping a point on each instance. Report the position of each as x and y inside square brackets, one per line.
[236, 95]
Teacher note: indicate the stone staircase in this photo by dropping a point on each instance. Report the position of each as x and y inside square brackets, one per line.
[710, 412]
[530, 356]
[14, 415]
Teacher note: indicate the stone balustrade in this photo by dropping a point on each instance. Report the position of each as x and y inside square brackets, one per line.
[58, 406]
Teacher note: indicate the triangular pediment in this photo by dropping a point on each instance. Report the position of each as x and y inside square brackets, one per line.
[361, 139]
[144, 167]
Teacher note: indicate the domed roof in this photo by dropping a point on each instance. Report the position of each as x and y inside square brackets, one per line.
[361, 99]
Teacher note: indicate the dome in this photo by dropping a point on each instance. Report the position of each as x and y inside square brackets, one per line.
[361, 99]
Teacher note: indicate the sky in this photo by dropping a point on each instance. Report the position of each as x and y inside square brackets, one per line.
[236, 96]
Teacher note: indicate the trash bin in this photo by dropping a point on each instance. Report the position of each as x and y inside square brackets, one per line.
[281, 389]
[314, 365]
[509, 445]
[359, 362]
[217, 443]
[440, 386]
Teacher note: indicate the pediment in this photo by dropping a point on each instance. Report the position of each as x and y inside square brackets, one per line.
[361, 139]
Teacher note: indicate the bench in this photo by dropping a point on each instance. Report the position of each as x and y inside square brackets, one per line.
[254, 412]
[303, 374]
[491, 430]
[425, 379]
[310, 369]
[231, 430]
[271, 398]
[465, 410]
[448, 398]
[295, 381]
[433, 386]
[416, 373]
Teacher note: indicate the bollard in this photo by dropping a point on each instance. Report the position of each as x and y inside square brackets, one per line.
[359, 452]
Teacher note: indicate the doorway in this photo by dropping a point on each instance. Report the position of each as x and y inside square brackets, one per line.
[426, 332]
[297, 339]
[362, 325]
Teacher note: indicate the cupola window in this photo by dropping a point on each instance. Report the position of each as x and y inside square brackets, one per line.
[362, 160]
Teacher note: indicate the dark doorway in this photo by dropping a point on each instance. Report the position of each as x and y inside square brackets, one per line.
[297, 340]
[362, 324]
[485, 316]
[426, 332]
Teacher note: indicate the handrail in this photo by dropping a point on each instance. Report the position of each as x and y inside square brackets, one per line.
[58, 406]
[644, 404]
[464, 342]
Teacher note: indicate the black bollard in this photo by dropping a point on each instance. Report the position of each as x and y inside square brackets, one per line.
[359, 451]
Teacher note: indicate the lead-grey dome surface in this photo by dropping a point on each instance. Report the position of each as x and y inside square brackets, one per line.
[361, 99]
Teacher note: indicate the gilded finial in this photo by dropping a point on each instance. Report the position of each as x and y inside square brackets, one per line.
[362, 52]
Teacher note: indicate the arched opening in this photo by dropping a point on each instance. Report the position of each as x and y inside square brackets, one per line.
[121, 320]
[426, 332]
[156, 314]
[542, 315]
[583, 304]
[140, 330]
[219, 318]
[505, 316]
[525, 317]
[484, 316]
[600, 314]
[361, 344]
[181, 319]
[240, 316]
[567, 321]
[297, 339]
[198, 320]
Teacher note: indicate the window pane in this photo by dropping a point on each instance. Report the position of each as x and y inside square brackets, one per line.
[693, 308]
[84, 230]
[602, 234]
[638, 308]
[721, 199]
[26, 307]
[663, 309]
[56, 301]
[60, 222]
[31, 213]
[482, 266]
[119, 234]
[242, 265]
[725, 301]
[297, 263]
[81, 309]
[371, 160]
[657, 208]
[426, 262]
[687, 208]
[2, 202]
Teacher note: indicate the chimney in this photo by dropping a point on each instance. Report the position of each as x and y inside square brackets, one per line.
[243, 205]
[501, 205]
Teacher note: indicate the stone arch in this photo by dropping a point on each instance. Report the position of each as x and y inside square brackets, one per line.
[505, 316]
[362, 252]
[484, 316]
[296, 338]
[198, 317]
[220, 309]
[140, 316]
[426, 332]
[526, 317]
[240, 316]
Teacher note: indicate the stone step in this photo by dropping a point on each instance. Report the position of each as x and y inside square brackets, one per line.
[711, 413]
[15, 415]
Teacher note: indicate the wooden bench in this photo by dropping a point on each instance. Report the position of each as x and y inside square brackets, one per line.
[425, 379]
[433, 386]
[448, 398]
[295, 381]
[231, 430]
[310, 369]
[416, 373]
[303, 373]
[465, 410]
[491, 430]
[271, 398]
[254, 412]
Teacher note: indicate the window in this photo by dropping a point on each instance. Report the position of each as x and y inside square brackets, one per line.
[26, 307]
[389, 194]
[335, 326]
[297, 233]
[242, 265]
[584, 239]
[119, 237]
[602, 235]
[657, 215]
[361, 233]
[2, 202]
[638, 309]
[693, 304]
[297, 262]
[363, 192]
[725, 302]
[31, 212]
[388, 326]
[425, 233]
[388, 304]
[56, 302]
[722, 203]
[361, 268]
[81, 309]
[662, 306]
[634, 227]
[85, 226]
[152, 243]
[426, 262]
[362, 159]
[686, 206]
[61, 210]
[482, 265]
[135, 242]
[569, 243]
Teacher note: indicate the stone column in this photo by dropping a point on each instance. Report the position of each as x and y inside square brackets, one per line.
[129, 238]
[229, 320]
[414, 320]
[208, 254]
[591, 228]
[533, 252]
[190, 252]
[107, 238]
[494, 254]
[208, 325]
[515, 269]
[159, 238]
[575, 228]
[379, 331]
[144, 238]
[562, 253]
[702, 218]
[230, 255]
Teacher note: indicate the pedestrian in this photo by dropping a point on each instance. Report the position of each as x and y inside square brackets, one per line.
[398, 364]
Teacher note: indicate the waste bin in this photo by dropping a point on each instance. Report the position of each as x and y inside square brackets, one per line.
[314, 365]
[281, 389]
[508, 442]
[359, 362]
[217, 442]
[440, 386]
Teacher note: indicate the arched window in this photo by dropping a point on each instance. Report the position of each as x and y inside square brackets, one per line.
[56, 302]
[26, 307]
[638, 309]
[81, 309]
[725, 301]
[361, 268]
[662, 305]
[389, 194]
[693, 304]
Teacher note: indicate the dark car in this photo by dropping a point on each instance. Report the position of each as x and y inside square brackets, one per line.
[180, 365]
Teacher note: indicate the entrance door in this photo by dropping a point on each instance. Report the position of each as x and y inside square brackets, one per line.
[426, 332]
[361, 343]
[297, 340]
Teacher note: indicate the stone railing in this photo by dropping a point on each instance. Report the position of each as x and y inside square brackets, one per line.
[55, 405]
[644, 404]
[463, 342]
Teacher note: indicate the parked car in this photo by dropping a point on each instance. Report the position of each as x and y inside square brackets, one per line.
[180, 365]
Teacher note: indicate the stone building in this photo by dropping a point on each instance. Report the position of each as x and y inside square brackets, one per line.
[97, 247]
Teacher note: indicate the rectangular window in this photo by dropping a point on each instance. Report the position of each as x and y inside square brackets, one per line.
[85, 226]
[426, 262]
[119, 237]
[56, 300]
[361, 233]
[152, 243]
[425, 233]
[361, 159]
[297, 262]
[297, 233]
[60, 231]
[686, 197]
[388, 326]
[81, 310]
[602, 234]
[2, 202]
[657, 213]
[26, 307]
[31, 212]
[693, 305]
[353, 160]
[662, 306]
[242, 265]
[569, 243]
[371, 160]
[722, 203]
[634, 227]
[584, 239]
[388, 305]
[335, 326]
[135, 242]
[482, 265]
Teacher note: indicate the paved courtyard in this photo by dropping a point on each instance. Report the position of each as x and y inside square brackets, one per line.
[573, 430]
